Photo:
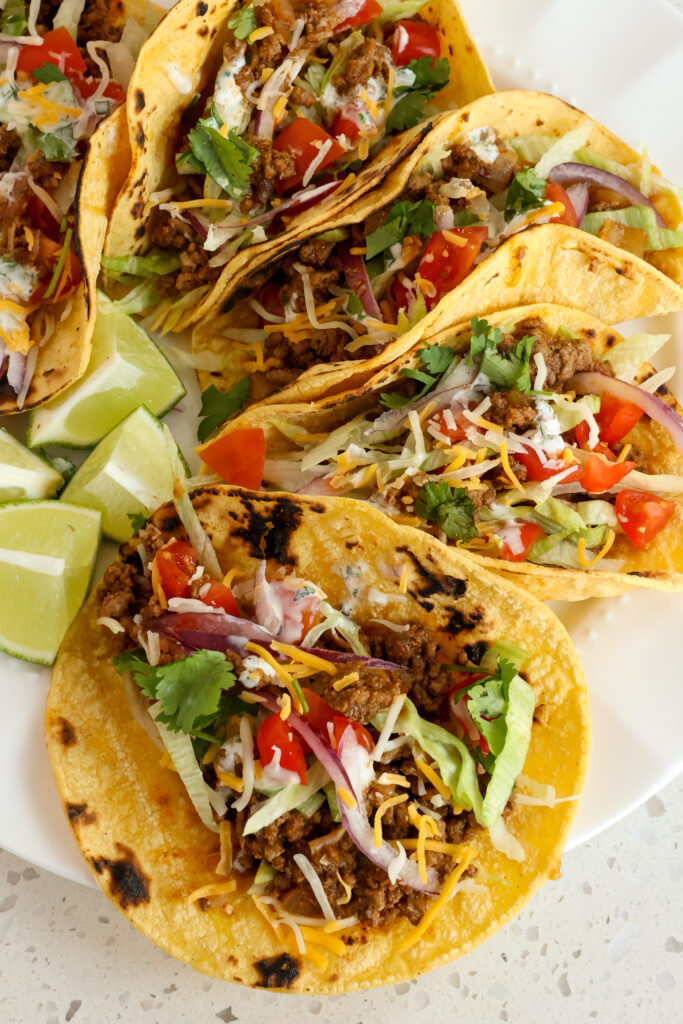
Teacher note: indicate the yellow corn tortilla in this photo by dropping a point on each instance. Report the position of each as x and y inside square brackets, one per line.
[191, 37]
[545, 263]
[139, 833]
[659, 566]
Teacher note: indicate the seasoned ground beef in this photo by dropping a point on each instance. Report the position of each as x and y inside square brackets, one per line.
[368, 61]
[169, 233]
[373, 692]
[512, 409]
[10, 144]
[563, 356]
[44, 172]
[463, 162]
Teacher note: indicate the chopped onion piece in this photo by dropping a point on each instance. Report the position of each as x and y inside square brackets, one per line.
[247, 764]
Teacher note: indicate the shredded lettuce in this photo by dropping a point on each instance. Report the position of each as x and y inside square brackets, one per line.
[569, 414]
[393, 10]
[562, 150]
[265, 873]
[155, 263]
[561, 512]
[627, 357]
[181, 752]
[642, 217]
[339, 624]
[531, 148]
[561, 548]
[68, 16]
[597, 513]
[286, 799]
[338, 441]
[331, 795]
[139, 298]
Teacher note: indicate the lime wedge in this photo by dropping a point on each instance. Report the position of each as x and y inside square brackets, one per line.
[23, 474]
[47, 550]
[126, 369]
[130, 472]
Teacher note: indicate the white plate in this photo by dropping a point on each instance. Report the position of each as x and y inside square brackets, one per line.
[620, 61]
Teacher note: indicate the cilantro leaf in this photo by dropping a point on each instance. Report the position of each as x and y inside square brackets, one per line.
[58, 146]
[403, 219]
[507, 369]
[218, 406]
[409, 110]
[244, 22]
[137, 520]
[450, 507]
[437, 358]
[526, 192]
[354, 307]
[13, 21]
[189, 690]
[226, 159]
[488, 705]
[49, 73]
[427, 76]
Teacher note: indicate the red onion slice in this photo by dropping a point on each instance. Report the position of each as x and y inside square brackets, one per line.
[603, 179]
[358, 281]
[343, 770]
[16, 371]
[579, 198]
[597, 383]
[197, 224]
[457, 379]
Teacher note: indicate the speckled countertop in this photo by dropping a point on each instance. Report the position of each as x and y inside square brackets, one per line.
[603, 943]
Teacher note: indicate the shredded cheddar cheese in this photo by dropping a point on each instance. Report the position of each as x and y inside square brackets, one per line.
[435, 846]
[624, 452]
[507, 468]
[211, 753]
[228, 779]
[323, 938]
[581, 551]
[436, 780]
[403, 582]
[347, 798]
[390, 801]
[305, 657]
[444, 897]
[349, 680]
[260, 33]
[279, 109]
[285, 702]
[268, 657]
[363, 149]
[358, 250]
[454, 239]
[224, 866]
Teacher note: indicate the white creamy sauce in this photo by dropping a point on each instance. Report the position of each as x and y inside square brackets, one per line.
[254, 671]
[403, 77]
[231, 104]
[548, 433]
[16, 282]
[182, 82]
[483, 142]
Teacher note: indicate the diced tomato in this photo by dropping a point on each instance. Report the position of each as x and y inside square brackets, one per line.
[528, 534]
[219, 596]
[352, 119]
[275, 734]
[238, 456]
[412, 40]
[269, 297]
[537, 470]
[459, 711]
[320, 714]
[113, 91]
[446, 263]
[176, 564]
[616, 418]
[41, 218]
[556, 194]
[368, 10]
[642, 515]
[598, 476]
[58, 48]
[303, 139]
[453, 434]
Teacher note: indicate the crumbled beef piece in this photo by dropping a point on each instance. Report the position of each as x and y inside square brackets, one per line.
[10, 144]
[416, 650]
[268, 164]
[463, 162]
[425, 186]
[563, 356]
[361, 701]
[96, 23]
[404, 492]
[169, 233]
[512, 410]
[278, 15]
[316, 252]
[44, 172]
[367, 61]
[604, 199]
[303, 97]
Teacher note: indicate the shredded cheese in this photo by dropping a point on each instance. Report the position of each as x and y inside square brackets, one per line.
[392, 779]
[322, 938]
[436, 781]
[444, 897]
[347, 890]
[347, 798]
[455, 239]
[304, 657]
[436, 846]
[311, 876]
[224, 866]
[260, 33]
[505, 462]
[282, 672]
[624, 452]
[390, 801]
[285, 702]
[229, 779]
[341, 684]
[581, 551]
[213, 889]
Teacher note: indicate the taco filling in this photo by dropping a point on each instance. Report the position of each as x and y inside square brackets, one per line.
[515, 447]
[305, 93]
[348, 292]
[348, 769]
[64, 68]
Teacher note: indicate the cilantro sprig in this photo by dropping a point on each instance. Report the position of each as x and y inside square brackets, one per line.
[450, 507]
[436, 360]
[507, 369]
[429, 79]
[488, 704]
[227, 159]
[193, 692]
[218, 406]
[526, 192]
[403, 219]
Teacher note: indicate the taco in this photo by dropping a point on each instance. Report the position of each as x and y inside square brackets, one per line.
[252, 123]
[538, 438]
[450, 217]
[371, 774]
[56, 87]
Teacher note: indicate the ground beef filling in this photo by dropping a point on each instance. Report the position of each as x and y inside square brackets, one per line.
[167, 232]
[126, 594]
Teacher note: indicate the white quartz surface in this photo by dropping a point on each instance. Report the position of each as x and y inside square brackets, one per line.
[604, 943]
